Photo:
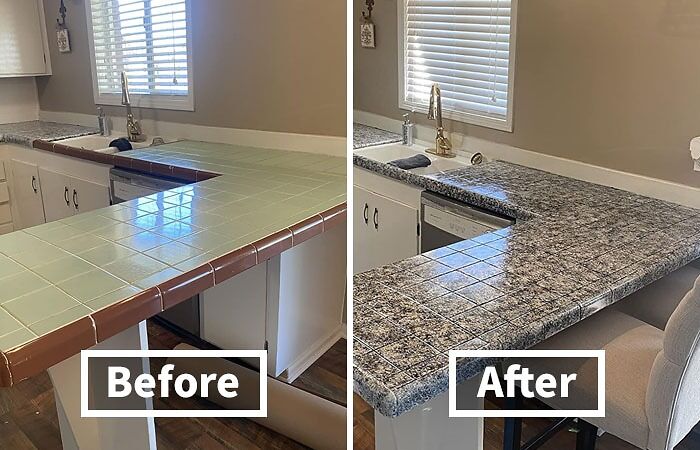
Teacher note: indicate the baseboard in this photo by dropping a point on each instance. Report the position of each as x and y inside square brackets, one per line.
[640, 184]
[315, 351]
[327, 145]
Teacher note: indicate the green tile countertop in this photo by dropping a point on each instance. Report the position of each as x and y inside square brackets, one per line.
[60, 272]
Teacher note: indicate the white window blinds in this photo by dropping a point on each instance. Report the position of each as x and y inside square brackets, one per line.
[466, 47]
[148, 39]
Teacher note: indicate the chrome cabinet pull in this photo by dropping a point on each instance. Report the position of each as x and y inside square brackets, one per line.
[75, 198]
[366, 213]
[65, 196]
[34, 184]
[376, 219]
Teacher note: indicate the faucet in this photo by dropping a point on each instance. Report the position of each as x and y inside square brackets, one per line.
[443, 146]
[133, 127]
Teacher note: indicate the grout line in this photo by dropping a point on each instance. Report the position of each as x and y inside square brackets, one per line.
[94, 326]
[160, 294]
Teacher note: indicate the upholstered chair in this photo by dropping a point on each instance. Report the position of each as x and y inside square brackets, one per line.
[652, 375]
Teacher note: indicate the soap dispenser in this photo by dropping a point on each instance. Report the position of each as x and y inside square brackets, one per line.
[407, 130]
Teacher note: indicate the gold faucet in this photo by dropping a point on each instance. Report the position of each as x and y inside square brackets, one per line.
[443, 146]
[133, 128]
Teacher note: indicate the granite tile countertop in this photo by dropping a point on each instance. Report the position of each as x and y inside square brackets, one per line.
[24, 133]
[71, 283]
[576, 247]
[365, 136]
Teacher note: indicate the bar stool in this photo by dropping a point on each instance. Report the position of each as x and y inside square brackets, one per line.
[652, 376]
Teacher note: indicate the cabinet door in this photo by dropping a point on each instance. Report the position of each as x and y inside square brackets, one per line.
[88, 196]
[22, 38]
[390, 234]
[55, 192]
[362, 235]
[26, 195]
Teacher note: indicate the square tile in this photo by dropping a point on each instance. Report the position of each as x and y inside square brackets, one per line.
[454, 280]
[173, 253]
[90, 285]
[480, 293]
[144, 241]
[20, 284]
[39, 305]
[107, 253]
[63, 269]
[134, 267]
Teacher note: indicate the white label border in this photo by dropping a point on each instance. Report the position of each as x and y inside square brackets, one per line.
[454, 354]
[85, 411]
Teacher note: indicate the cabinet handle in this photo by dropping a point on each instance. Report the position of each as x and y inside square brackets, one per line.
[34, 184]
[65, 196]
[75, 198]
[376, 219]
[365, 213]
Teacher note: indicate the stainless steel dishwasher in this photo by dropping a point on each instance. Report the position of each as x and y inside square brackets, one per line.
[445, 221]
[129, 185]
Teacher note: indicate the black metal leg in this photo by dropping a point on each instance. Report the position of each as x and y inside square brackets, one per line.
[587, 435]
[513, 426]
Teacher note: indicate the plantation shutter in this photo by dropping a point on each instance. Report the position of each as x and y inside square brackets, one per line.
[464, 45]
[145, 38]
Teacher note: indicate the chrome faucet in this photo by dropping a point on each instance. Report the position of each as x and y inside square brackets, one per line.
[133, 128]
[443, 146]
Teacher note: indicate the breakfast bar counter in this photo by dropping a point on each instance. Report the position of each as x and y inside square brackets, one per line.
[576, 247]
[72, 283]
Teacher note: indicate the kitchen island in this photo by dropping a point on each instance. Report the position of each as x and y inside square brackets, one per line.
[576, 248]
[90, 280]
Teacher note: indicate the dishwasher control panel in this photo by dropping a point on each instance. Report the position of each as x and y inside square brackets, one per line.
[459, 226]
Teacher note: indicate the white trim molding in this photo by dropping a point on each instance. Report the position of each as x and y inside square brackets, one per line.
[639, 184]
[310, 143]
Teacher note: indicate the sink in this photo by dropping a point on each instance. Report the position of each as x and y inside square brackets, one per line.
[100, 144]
[390, 152]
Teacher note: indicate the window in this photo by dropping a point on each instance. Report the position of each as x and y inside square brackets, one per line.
[150, 41]
[467, 46]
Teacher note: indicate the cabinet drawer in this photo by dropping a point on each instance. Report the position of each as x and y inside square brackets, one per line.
[5, 215]
[6, 228]
[4, 193]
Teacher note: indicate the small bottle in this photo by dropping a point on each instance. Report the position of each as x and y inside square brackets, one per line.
[407, 130]
[102, 122]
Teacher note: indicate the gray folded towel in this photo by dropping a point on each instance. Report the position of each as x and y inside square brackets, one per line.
[411, 163]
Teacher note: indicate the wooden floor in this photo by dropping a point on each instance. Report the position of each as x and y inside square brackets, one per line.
[363, 433]
[28, 418]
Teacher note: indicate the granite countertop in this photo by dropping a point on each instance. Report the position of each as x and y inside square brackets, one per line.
[576, 247]
[24, 133]
[71, 283]
[366, 136]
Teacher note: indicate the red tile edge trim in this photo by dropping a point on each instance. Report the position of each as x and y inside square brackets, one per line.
[306, 229]
[273, 244]
[118, 317]
[233, 263]
[124, 162]
[334, 216]
[45, 351]
[188, 284]
[5, 374]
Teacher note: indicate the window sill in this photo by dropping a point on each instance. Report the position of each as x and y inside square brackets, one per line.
[184, 103]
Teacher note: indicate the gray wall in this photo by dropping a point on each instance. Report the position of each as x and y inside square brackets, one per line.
[273, 65]
[611, 83]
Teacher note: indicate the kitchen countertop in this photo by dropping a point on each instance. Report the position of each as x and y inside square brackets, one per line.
[576, 247]
[75, 282]
[366, 136]
[24, 133]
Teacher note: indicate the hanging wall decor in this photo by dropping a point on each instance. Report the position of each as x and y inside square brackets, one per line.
[367, 27]
[62, 36]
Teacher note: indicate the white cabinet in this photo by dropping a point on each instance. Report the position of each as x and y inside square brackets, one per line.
[385, 221]
[88, 196]
[23, 43]
[384, 229]
[5, 212]
[56, 195]
[26, 194]
[64, 196]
